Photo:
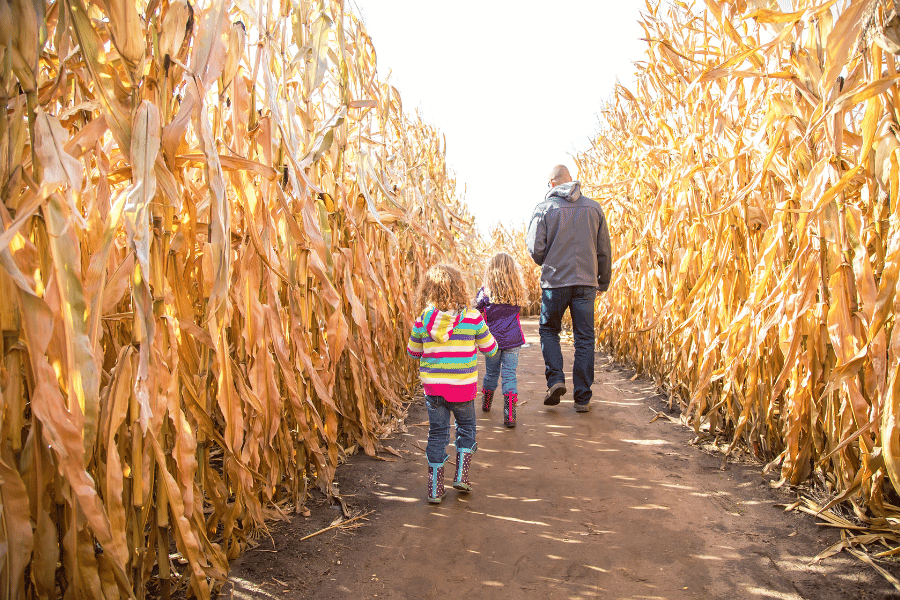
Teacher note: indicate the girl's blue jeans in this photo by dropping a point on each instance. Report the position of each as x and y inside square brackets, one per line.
[503, 364]
[439, 430]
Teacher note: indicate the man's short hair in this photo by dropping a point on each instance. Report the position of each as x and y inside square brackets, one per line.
[560, 174]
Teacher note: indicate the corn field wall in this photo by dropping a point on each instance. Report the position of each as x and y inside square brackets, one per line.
[750, 177]
[213, 217]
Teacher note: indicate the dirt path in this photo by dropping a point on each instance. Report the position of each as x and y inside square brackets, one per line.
[566, 505]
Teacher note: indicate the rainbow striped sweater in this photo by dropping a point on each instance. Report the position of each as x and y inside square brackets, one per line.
[445, 344]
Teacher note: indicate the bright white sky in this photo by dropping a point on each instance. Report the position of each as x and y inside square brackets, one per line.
[515, 86]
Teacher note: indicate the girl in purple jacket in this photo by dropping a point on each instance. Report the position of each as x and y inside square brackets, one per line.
[499, 301]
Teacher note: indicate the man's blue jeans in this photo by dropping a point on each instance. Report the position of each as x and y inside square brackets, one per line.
[503, 364]
[579, 299]
[439, 429]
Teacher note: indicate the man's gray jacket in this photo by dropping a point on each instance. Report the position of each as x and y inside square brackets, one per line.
[568, 237]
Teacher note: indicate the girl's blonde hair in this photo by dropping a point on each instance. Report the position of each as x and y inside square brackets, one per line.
[444, 287]
[503, 281]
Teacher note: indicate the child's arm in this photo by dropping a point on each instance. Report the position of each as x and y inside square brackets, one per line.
[414, 347]
[481, 301]
[486, 342]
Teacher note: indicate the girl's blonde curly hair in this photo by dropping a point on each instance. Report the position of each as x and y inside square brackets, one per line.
[444, 287]
[503, 281]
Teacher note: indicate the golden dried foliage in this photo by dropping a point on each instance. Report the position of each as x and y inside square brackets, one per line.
[214, 216]
[750, 178]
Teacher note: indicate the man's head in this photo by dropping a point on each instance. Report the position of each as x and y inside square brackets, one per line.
[559, 175]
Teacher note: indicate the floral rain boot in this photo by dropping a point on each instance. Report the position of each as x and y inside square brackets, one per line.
[436, 482]
[463, 460]
[487, 399]
[509, 409]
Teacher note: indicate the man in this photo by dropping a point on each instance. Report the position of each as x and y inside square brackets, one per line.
[569, 239]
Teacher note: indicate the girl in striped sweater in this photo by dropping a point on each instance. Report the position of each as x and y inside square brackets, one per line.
[444, 339]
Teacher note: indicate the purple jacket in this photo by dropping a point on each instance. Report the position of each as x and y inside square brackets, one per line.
[502, 320]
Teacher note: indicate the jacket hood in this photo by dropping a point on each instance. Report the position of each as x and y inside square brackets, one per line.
[440, 324]
[566, 191]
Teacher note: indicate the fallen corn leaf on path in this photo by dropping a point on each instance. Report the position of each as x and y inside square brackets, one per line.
[566, 505]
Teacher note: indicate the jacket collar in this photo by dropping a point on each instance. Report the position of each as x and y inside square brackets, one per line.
[570, 191]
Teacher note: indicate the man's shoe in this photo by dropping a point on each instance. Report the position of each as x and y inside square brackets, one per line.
[586, 407]
[556, 391]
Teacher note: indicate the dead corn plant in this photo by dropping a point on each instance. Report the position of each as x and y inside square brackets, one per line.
[750, 178]
[212, 217]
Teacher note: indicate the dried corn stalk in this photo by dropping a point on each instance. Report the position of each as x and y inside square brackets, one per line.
[213, 216]
[750, 178]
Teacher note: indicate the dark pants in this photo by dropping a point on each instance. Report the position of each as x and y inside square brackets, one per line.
[579, 299]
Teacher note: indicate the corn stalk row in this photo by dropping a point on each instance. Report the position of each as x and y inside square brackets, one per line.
[212, 218]
[750, 177]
